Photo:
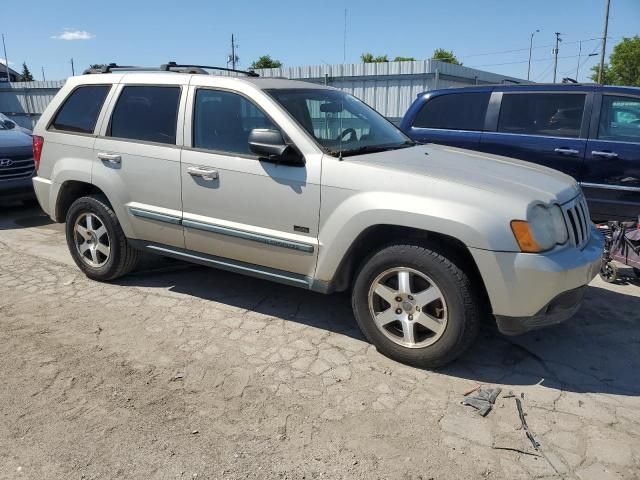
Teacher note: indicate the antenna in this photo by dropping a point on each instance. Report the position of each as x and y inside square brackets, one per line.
[344, 39]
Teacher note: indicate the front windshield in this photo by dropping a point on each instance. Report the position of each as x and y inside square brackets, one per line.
[340, 123]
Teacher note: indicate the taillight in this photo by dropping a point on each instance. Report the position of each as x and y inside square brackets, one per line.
[38, 142]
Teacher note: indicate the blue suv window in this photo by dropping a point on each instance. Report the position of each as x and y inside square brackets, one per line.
[454, 111]
[545, 114]
[620, 119]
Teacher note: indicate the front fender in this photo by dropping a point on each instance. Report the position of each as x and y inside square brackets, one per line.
[345, 215]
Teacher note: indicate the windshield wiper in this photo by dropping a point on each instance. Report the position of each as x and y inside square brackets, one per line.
[375, 148]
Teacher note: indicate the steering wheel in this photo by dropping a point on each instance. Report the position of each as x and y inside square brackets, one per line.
[347, 131]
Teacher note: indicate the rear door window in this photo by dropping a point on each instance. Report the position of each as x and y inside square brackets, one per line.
[146, 113]
[79, 112]
[619, 119]
[455, 111]
[545, 114]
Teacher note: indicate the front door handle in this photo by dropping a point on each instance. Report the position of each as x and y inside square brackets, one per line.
[110, 157]
[567, 151]
[208, 174]
[598, 153]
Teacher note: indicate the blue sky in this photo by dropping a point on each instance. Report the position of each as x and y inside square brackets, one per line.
[145, 32]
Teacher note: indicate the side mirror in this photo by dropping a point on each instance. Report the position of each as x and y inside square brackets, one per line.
[270, 145]
[9, 125]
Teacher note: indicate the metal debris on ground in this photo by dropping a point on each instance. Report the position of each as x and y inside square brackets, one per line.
[483, 400]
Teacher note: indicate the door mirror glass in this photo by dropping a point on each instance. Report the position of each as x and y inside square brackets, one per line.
[270, 145]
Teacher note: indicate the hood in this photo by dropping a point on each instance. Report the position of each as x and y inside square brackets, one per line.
[14, 142]
[484, 171]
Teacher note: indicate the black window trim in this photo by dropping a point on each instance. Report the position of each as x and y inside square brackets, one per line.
[114, 102]
[51, 128]
[495, 107]
[226, 153]
[429, 98]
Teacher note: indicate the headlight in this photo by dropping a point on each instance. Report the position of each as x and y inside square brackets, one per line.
[543, 230]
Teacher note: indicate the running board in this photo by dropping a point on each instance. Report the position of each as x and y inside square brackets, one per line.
[235, 266]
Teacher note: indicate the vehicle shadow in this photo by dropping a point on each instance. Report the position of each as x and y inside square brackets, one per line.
[598, 351]
[16, 215]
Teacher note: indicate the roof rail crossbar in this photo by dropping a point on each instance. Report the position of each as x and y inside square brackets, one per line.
[110, 67]
[169, 66]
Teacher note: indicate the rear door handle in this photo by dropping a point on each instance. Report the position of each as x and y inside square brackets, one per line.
[208, 174]
[598, 153]
[110, 157]
[567, 151]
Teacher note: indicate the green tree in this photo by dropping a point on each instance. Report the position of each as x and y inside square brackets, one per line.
[265, 61]
[624, 64]
[26, 73]
[369, 58]
[404, 59]
[445, 56]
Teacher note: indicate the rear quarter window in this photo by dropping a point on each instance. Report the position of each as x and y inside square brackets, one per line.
[147, 113]
[79, 112]
[454, 111]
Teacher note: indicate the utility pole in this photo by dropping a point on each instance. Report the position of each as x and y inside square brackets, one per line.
[233, 52]
[579, 58]
[555, 58]
[604, 40]
[44, 79]
[73, 70]
[6, 60]
[530, 49]
[233, 58]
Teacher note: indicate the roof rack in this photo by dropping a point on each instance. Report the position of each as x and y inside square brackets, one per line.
[173, 66]
[167, 67]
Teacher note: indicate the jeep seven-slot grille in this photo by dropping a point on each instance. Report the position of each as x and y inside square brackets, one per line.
[15, 167]
[576, 216]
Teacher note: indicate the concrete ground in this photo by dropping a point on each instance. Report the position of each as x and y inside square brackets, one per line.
[178, 371]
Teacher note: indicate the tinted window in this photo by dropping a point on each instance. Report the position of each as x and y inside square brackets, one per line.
[146, 113]
[79, 112]
[620, 119]
[456, 111]
[547, 114]
[223, 121]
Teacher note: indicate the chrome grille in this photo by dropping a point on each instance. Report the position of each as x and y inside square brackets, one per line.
[576, 216]
[20, 167]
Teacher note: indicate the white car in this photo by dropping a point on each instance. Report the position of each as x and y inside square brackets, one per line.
[308, 186]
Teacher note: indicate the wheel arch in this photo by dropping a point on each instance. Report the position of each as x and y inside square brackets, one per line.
[69, 192]
[376, 237]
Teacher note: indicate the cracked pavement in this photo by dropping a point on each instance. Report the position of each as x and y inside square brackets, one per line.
[179, 371]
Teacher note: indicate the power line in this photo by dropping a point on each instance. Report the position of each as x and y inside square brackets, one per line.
[498, 52]
[520, 61]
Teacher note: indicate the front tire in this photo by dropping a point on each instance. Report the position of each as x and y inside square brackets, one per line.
[415, 305]
[96, 240]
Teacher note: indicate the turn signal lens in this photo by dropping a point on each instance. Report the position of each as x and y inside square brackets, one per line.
[524, 237]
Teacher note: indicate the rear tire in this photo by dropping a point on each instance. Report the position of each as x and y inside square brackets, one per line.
[416, 306]
[96, 240]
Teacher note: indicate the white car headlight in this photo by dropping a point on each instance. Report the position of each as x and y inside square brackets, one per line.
[544, 229]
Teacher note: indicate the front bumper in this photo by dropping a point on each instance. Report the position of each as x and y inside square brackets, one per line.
[18, 189]
[529, 291]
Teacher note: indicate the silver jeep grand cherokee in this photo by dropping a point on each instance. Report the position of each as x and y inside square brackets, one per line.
[308, 186]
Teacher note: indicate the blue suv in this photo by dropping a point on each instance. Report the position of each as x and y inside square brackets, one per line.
[590, 132]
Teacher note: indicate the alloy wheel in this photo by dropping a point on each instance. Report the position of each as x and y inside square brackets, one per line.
[408, 307]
